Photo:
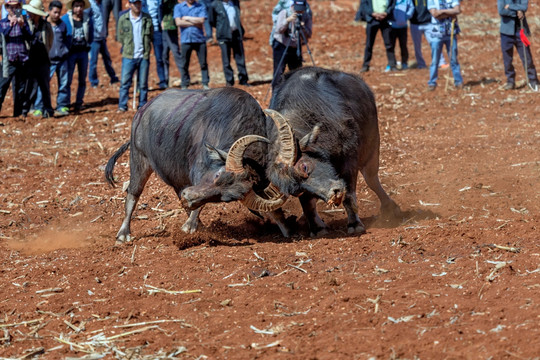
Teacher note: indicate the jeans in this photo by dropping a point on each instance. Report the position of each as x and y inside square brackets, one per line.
[371, 32]
[62, 97]
[170, 43]
[236, 46]
[110, 5]
[100, 47]
[38, 81]
[284, 56]
[436, 51]
[207, 27]
[19, 73]
[79, 59]
[158, 53]
[508, 42]
[200, 49]
[129, 67]
[416, 35]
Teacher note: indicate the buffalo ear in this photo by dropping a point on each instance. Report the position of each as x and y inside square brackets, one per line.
[310, 138]
[216, 154]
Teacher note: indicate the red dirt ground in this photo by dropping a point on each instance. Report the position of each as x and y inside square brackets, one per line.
[457, 278]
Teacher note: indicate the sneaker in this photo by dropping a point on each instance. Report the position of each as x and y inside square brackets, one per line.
[509, 86]
[404, 67]
[459, 86]
[444, 66]
[37, 113]
[206, 87]
[121, 110]
[115, 81]
[533, 86]
[184, 87]
[431, 87]
[364, 69]
[387, 69]
[63, 111]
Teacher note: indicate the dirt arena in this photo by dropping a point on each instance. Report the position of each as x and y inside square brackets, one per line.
[457, 278]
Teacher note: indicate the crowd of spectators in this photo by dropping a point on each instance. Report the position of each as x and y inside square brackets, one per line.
[36, 44]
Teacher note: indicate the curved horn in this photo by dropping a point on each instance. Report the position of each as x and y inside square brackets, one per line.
[237, 150]
[257, 203]
[287, 148]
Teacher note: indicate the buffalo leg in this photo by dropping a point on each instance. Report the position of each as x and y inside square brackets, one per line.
[317, 226]
[354, 224]
[140, 172]
[371, 174]
[190, 226]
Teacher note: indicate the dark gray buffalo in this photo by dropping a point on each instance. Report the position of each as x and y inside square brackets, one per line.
[328, 131]
[210, 146]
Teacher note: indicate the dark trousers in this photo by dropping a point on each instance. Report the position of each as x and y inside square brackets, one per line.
[508, 42]
[200, 49]
[38, 77]
[170, 43]
[18, 72]
[236, 46]
[371, 32]
[110, 5]
[401, 36]
[284, 56]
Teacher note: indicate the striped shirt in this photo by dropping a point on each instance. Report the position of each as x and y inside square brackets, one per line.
[15, 36]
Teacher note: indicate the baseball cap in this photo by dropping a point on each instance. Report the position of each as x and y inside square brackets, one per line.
[299, 5]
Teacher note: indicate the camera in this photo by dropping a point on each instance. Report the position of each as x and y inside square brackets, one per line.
[17, 12]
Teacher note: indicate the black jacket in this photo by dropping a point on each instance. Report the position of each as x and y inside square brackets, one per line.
[366, 9]
[421, 13]
[217, 17]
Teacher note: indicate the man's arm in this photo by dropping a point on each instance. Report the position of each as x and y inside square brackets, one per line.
[445, 13]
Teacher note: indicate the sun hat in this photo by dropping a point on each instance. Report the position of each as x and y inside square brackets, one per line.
[13, 2]
[35, 7]
[69, 4]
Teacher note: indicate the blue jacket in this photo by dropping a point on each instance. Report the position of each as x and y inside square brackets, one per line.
[366, 9]
[60, 45]
[510, 24]
[88, 26]
[403, 11]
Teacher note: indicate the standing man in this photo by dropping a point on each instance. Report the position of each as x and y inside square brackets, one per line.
[287, 48]
[377, 13]
[170, 37]
[443, 31]
[225, 17]
[14, 32]
[80, 34]
[99, 46]
[39, 65]
[153, 8]
[58, 56]
[135, 34]
[189, 16]
[513, 20]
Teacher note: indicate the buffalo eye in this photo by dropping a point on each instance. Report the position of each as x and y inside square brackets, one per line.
[304, 169]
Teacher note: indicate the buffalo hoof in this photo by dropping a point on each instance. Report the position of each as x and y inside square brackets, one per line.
[189, 227]
[319, 232]
[121, 239]
[356, 229]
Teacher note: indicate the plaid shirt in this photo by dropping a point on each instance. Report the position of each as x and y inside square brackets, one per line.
[14, 39]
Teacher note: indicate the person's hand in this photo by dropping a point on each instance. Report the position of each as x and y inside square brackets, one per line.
[507, 6]
[520, 14]
[291, 18]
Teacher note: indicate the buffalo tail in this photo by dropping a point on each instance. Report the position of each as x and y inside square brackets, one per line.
[112, 161]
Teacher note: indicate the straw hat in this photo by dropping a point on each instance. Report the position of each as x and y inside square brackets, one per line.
[13, 2]
[69, 4]
[35, 7]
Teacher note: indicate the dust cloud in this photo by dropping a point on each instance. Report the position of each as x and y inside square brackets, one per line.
[50, 240]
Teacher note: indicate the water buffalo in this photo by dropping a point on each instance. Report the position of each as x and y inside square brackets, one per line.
[210, 146]
[328, 132]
